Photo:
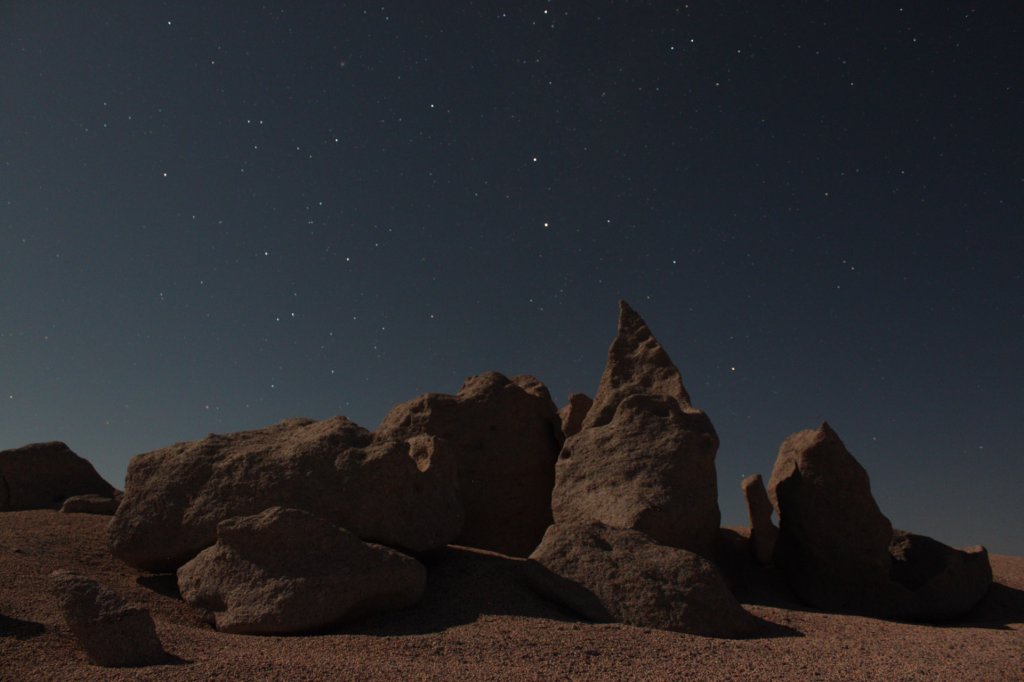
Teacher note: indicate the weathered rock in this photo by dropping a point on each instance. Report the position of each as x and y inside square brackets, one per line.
[504, 434]
[285, 570]
[573, 414]
[650, 468]
[833, 540]
[391, 492]
[91, 504]
[43, 475]
[637, 365]
[763, 533]
[611, 574]
[110, 631]
[932, 581]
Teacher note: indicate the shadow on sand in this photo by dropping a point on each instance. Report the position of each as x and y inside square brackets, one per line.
[19, 629]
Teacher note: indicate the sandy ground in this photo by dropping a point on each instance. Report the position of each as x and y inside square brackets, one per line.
[479, 622]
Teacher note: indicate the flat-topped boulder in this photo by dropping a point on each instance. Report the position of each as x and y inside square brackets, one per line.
[43, 475]
[610, 574]
[285, 570]
[644, 458]
[396, 493]
[92, 504]
[505, 435]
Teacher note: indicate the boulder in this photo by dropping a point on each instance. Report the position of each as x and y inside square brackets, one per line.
[505, 437]
[763, 533]
[933, 581]
[611, 574]
[285, 570]
[573, 414]
[636, 365]
[392, 492]
[110, 631]
[91, 504]
[833, 540]
[43, 475]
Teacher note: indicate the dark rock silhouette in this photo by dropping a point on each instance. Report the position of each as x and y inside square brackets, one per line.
[505, 435]
[43, 475]
[574, 412]
[110, 631]
[611, 574]
[645, 458]
[397, 493]
[839, 552]
[285, 570]
[763, 533]
[833, 539]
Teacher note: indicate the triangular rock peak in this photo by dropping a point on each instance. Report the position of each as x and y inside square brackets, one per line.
[637, 364]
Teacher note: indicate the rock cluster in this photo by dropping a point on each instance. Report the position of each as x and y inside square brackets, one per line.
[305, 524]
[111, 632]
[44, 475]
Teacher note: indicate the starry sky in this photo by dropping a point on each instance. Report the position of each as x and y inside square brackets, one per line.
[217, 215]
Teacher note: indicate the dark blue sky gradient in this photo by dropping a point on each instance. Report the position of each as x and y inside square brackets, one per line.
[218, 215]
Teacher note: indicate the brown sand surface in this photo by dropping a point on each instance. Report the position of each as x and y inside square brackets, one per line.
[478, 621]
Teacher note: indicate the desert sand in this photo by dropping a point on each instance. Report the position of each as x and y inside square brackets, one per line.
[478, 621]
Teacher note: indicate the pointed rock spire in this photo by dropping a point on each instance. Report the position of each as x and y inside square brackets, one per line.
[637, 364]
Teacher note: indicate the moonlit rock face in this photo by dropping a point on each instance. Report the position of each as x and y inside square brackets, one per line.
[610, 574]
[382, 490]
[644, 458]
[285, 570]
[573, 414]
[505, 436]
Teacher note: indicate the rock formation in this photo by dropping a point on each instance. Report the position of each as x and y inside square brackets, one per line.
[645, 458]
[43, 475]
[91, 504]
[611, 574]
[285, 570]
[833, 539]
[110, 631]
[505, 435]
[763, 533]
[573, 414]
[840, 553]
[393, 492]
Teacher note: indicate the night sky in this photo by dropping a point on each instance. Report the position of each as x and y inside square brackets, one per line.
[214, 216]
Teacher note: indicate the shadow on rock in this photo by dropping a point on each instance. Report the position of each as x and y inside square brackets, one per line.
[1000, 607]
[463, 585]
[165, 584]
[19, 629]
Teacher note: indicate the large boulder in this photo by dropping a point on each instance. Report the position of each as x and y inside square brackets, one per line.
[285, 570]
[833, 540]
[611, 574]
[763, 533]
[645, 458]
[505, 436]
[933, 581]
[43, 475]
[574, 412]
[110, 631]
[396, 493]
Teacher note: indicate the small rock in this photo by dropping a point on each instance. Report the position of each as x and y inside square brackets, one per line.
[285, 570]
[90, 504]
[111, 632]
[573, 414]
[763, 533]
[933, 581]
